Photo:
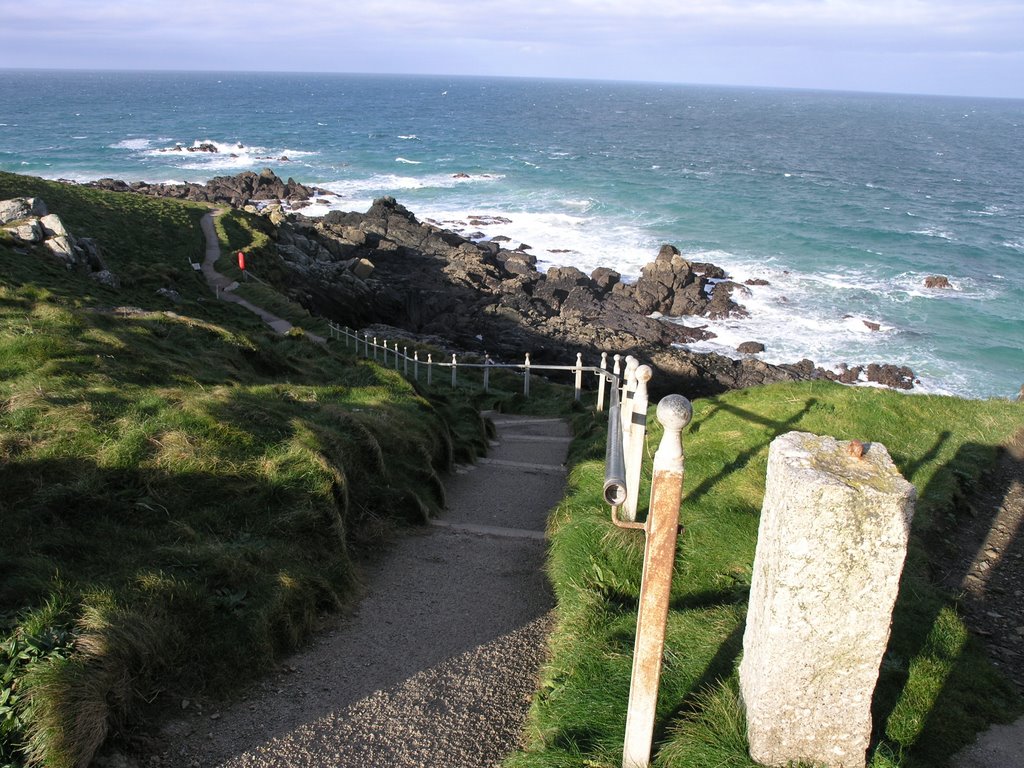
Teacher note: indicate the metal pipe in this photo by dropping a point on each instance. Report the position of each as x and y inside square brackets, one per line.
[634, 441]
[614, 491]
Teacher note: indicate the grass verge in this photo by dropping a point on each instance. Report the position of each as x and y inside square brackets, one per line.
[182, 489]
[936, 688]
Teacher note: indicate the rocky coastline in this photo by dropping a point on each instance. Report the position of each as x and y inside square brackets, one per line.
[385, 267]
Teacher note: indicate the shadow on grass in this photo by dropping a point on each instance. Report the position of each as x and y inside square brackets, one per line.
[775, 428]
[932, 664]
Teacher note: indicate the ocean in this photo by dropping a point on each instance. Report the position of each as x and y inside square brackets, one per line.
[842, 202]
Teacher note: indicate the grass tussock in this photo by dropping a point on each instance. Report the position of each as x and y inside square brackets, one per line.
[936, 688]
[183, 490]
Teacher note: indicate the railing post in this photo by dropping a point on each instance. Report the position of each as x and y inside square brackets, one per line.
[366, 345]
[628, 385]
[385, 352]
[430, 369]
[662, 528]
[374, 349]
[394, 350]
[416, 364]
[601, 382]
[487, 373]
[526, 376]
[579, 377]
[405, 360]
[634, 441]
[455, 366]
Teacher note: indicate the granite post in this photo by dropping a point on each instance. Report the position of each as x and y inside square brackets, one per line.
[830, 552]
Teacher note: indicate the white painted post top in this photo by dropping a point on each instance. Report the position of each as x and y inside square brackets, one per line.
[674, 412]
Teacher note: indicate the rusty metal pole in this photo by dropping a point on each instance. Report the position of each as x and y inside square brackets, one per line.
[662, 528]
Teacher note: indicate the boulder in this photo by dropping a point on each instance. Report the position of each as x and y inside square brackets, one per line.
[937, 281]
[53, 226]
[750, 347]
[21, 208]
[28, 231]
[605, 279]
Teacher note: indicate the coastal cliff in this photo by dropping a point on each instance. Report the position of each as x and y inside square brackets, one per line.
[386, 267]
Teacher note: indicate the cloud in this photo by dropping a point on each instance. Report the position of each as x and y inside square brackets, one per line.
[632, 39]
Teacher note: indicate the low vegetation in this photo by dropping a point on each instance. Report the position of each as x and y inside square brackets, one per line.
[936, 689]
[183, 490]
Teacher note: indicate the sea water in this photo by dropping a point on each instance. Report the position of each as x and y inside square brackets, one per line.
[843, 202]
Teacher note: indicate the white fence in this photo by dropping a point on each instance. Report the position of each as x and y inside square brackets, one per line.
[388, 354]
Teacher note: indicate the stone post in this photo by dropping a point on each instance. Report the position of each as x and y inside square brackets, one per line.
[830, 551]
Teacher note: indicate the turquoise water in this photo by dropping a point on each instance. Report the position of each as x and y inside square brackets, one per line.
[843, 202]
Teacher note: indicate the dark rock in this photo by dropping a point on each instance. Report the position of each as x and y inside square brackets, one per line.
[750, 347]
[756, 281]
[604, 279]
[937, 281]
[872, 325]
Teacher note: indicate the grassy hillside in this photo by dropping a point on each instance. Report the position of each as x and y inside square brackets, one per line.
[936, 689]
[182, 490]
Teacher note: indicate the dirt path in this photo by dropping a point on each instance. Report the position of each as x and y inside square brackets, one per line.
[223, 286]
[437, 664]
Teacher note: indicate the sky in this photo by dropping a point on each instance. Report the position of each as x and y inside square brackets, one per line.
[955, 47]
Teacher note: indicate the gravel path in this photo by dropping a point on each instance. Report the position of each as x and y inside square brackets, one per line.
[437, 664]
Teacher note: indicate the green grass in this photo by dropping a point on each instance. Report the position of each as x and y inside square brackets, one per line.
[183, 492]
[936, 688]
[183, 489]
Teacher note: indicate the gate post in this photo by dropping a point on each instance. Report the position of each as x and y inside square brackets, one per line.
[662, 528]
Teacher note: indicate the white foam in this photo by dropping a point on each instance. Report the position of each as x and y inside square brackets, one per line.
[136, 144]
[408, 162]
[410, 137]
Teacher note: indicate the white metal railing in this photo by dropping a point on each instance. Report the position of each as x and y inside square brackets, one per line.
[387, 353]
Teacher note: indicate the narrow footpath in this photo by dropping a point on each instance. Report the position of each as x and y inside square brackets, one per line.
[437, 663]
[224, 287]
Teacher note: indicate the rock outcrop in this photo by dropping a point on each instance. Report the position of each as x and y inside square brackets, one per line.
[385, 267]
[29, 223]
[482, 297]
[236, 191]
